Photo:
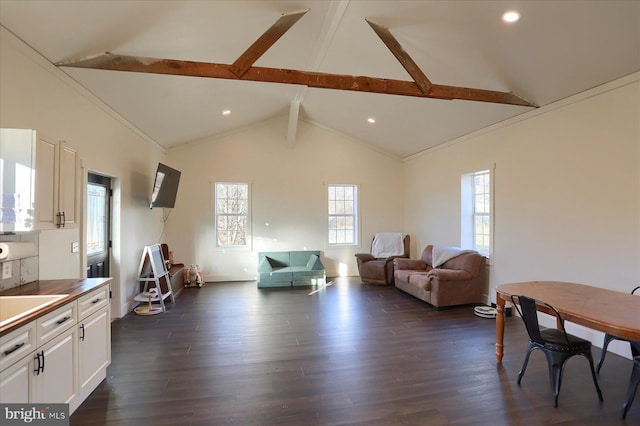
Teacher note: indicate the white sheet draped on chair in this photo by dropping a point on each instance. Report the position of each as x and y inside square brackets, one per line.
[386, 244]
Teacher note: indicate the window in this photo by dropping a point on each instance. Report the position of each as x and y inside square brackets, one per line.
[343, 214]
[97, 200]
[476, 229]
[232, 214]
[481, 211]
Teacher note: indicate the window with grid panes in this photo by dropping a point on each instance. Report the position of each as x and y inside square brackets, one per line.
[343, 214]
[232, 214]
[482, 212]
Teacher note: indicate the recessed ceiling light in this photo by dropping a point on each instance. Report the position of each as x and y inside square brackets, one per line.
[511, 16]
[371, 120]
[226, 112]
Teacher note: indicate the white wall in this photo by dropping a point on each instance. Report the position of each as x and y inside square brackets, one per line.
[288, 192]
[567, 190]
[36, 95]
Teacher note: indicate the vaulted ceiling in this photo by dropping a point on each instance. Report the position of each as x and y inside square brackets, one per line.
[557, 49]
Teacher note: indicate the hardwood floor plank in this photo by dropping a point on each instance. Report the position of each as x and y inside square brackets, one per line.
[230, 354]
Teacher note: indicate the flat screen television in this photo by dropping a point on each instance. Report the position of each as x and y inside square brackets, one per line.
[165, 187]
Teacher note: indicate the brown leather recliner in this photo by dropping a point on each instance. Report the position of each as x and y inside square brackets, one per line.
[374, 270]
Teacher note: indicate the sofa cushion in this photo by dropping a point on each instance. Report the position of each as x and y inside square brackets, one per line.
[420, 280]
[279, 274]
[272, 260]
[466, 262]
[450, 274]
[301, 258]
[427, 255]
[410, 264]
[403, 275]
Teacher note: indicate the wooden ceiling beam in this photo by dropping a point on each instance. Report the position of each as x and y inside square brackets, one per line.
[401, 55]
[266, 40]
[114, 62]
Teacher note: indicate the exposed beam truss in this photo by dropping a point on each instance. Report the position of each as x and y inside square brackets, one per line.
[403, 57]
[266, 40]
[243, 69]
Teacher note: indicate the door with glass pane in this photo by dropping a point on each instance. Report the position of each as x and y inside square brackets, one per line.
[98, 225]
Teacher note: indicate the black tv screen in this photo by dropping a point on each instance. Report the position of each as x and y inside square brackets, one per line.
[165, 187]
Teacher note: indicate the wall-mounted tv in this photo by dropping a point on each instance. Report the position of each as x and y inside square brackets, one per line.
[165, 187]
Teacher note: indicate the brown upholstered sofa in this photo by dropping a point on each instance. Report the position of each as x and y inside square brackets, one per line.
[458, 281]
[379, 270]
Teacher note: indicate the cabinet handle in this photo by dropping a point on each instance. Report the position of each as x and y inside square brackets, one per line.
[82, 336]
[63, 320]
[39, 357]
[15, 348]
[96, 301]
[62, 220]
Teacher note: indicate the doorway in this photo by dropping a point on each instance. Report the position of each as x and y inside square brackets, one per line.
[98, 225]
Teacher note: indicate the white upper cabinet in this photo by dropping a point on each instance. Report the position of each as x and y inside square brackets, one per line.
[39, 182]
[57, 191]
[17, 174]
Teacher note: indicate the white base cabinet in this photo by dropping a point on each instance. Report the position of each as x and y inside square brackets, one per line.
[15, 382]
[61, 357]
[94, 351]
[55, 376]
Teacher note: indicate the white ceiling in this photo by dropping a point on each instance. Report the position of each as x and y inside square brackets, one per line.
[558, 48]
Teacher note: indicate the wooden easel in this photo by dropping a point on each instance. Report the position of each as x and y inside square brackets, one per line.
[153, 273]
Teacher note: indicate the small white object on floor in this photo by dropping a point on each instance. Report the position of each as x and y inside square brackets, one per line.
[485, 311]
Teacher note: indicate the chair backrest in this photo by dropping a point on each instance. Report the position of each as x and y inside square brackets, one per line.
[528, 311]
[406, 245]
[529, 314]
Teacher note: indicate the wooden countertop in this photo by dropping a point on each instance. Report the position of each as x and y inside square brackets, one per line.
[73, 288]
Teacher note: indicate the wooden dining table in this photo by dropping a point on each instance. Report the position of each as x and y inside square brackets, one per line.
[609, 311]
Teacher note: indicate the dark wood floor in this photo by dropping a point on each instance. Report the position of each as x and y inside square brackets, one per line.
[230, 354]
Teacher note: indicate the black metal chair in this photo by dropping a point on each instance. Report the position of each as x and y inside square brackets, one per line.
[556, 344]
[635, 345]
[633, 385]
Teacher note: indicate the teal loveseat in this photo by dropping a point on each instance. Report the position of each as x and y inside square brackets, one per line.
[290, 268]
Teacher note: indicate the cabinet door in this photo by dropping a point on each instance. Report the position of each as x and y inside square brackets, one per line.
[57, 184]
[68, 184]
[15, 382]
[57, 380]
[94, 333]
[46, 192]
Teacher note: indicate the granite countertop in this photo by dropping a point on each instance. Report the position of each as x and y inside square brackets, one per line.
[73, 288]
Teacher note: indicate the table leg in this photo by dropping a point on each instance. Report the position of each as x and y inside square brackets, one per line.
[499, 328]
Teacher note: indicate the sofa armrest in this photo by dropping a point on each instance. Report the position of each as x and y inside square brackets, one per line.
[449, 274]
[265, 265]
[410, 264]
[314, 263]
[364, 257]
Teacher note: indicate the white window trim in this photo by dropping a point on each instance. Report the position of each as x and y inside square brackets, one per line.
[357, 238]
[249, 241]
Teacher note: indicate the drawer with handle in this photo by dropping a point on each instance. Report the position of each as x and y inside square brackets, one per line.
[55, 322]
[93, 301]
[16, 344]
